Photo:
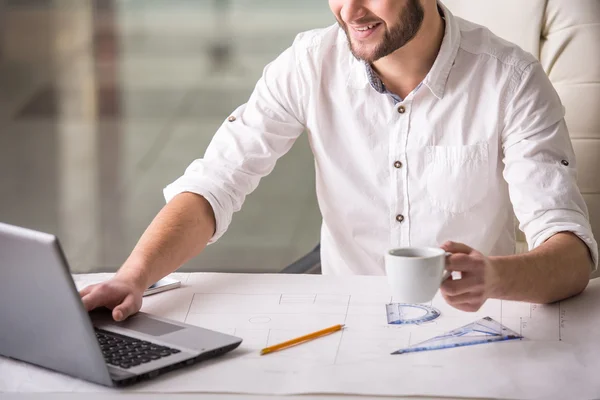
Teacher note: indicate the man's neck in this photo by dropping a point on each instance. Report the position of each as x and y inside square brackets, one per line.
[402, 71]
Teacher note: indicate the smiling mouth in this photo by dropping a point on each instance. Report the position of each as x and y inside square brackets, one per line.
[368, 27]
[364, 32]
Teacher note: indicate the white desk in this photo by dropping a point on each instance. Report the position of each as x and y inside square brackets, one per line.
[559, 359]
[192, 396]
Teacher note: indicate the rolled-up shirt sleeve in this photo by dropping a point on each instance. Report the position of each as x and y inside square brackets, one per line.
[249, 142]
[539, 162]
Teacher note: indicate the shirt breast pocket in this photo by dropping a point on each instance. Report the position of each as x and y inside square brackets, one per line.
[457, 176]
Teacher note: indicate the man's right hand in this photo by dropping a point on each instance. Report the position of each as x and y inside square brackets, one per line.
[122, 296]
[179, 232]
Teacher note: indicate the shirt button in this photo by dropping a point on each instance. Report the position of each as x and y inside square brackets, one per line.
[398, 164]
[231, 119]
[401, 109]
[399, 217]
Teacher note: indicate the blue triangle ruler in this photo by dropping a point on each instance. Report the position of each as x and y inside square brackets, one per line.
[486, 330]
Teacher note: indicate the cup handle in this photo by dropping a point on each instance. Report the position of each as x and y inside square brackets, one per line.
[447, 274]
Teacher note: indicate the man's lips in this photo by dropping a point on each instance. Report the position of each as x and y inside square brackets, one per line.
[363, 31]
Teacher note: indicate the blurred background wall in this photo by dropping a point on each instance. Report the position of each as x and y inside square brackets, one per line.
[105, 102]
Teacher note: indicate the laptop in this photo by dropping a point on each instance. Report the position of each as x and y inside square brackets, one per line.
[44, 322]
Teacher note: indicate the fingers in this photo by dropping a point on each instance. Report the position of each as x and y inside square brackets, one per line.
[464, 263]
[128, 307]
[86, 290]
[93, 299]
[467, 294]
[455, 247]
[470, 301]
[101, 295]
[471, 283]
[470, 292]
[468, 307]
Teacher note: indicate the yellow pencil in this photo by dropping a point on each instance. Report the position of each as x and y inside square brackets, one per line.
[301, 339]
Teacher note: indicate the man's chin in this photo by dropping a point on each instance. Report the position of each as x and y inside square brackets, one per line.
[363, 54]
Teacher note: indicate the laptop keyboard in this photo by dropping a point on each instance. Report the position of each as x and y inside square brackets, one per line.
[126, 352]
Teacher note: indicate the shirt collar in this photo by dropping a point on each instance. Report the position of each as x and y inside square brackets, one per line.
[362, 74]
[373, 78]
[438, 75]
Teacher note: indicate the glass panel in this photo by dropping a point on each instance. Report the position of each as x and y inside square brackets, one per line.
[104, 103]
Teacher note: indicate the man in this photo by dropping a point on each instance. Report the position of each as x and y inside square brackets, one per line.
[425, 128]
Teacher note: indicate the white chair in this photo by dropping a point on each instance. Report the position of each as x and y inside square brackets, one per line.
[565, 36]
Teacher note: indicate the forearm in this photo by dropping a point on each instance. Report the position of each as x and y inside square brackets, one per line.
[558, 269]
[178, 233]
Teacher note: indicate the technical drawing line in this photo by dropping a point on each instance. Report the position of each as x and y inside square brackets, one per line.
[338, 347]
[189, 307]
[559, 323]
[347, 308]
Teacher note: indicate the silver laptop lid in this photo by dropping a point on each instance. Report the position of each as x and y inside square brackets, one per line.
[42, 318]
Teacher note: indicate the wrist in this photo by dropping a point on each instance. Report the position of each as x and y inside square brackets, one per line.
[496, 289]
[134, 274]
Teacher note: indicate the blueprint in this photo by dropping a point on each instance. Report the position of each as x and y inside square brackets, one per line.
[555, 360]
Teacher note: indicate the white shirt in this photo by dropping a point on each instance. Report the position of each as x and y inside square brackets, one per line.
[484, 134]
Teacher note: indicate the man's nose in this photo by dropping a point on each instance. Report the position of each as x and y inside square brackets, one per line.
[353, 10]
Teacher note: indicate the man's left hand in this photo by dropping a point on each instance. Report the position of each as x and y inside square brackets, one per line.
[477, 277]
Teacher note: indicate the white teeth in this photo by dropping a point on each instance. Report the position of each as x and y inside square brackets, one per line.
[366, 28]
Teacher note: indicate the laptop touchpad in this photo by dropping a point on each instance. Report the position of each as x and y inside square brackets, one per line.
[149, 326]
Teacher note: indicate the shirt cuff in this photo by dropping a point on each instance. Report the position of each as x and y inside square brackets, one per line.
[222, 218]
[579, 231]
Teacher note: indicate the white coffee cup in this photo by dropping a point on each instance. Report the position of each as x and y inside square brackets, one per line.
[415, 273]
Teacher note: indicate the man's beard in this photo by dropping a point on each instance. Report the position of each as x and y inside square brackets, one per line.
[409, 22]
